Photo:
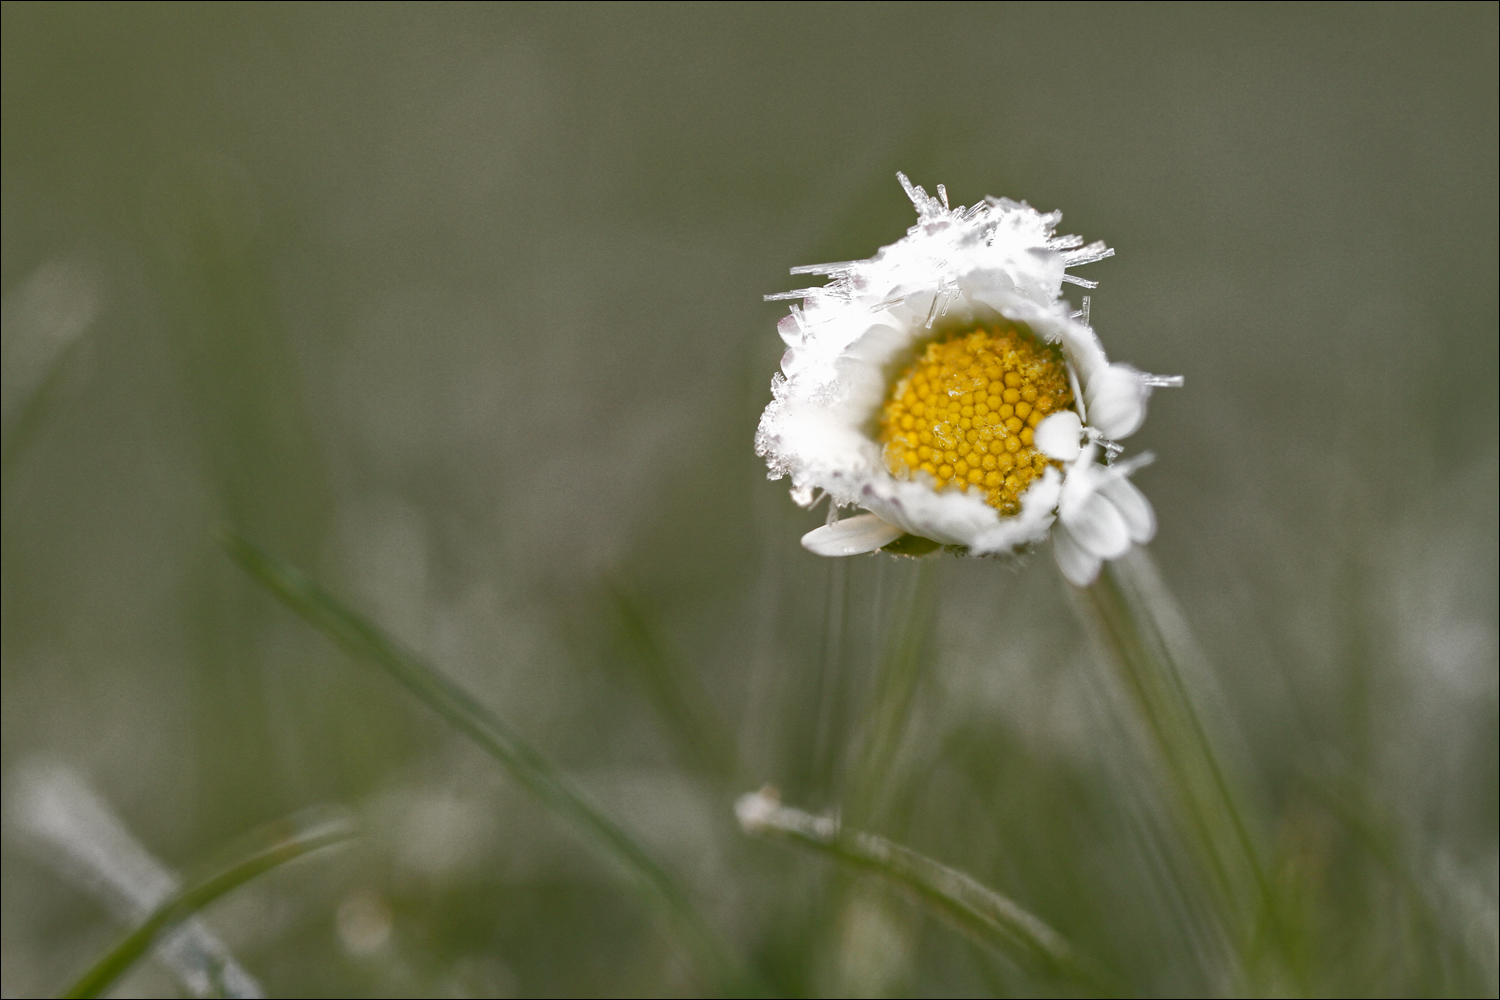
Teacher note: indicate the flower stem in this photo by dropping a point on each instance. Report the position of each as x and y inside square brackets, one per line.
[1131, 611]
[900, 669]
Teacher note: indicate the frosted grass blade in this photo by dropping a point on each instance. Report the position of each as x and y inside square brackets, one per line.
[985, 915]
[276, 846]
[76, 832]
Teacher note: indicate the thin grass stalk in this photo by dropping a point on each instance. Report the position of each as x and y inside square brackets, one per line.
[900, 661]
[283, 848]
[830, 680]
[364, 641]
[986, 916]
[675, 692]
[902, 603]
[1207, 807]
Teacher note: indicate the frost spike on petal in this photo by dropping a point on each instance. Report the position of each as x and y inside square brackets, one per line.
[835, 268]
[1085, 255]
[851, 537]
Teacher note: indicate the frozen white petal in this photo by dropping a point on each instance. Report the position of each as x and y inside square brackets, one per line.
[790, 330]
[1098, 526]
[1060, 436]
[851, 536]
[952, 518]
[1078, 566]
[1030, 525]
[1116, 401]
[1133, 506]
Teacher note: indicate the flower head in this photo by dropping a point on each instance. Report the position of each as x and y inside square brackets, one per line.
[946, 387]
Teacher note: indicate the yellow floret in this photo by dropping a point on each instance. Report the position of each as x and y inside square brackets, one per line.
[975, 395]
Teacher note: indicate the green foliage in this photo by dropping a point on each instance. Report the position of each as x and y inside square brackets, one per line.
[263, 850]
[364, 641]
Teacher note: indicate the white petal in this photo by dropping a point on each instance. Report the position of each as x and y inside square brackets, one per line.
[1080, 481]
[1098, 526]
[1117, 401]
[950, 517]
[790, 330]
[1077, 565]
[1030, 525]
[851, 536]
[1084, 351]
[1060, 436]
[1133, 506]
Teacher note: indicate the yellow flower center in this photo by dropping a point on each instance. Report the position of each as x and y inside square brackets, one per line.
[964, 413]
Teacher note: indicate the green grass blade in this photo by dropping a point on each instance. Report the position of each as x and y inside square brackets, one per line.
[1128, 609]
[868, 790]
[674, 690]
[363, 640]
[24, 418]
[284, 845]
[985, 915]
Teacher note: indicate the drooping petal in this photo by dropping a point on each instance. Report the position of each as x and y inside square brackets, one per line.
[1098, 526]
[851, 536]
[1140, 519]
[1116, 399]
[1077, 565]
[1060, 436]
[951, 518]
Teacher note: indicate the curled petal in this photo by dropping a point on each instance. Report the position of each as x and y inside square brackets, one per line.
[1098, 526]
[1060, 436]
[790, 330]
[1116, 400]
[1140, 519]
[851, 536]
[1077, 565]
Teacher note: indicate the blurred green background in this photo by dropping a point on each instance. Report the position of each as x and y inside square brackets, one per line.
[459, 308]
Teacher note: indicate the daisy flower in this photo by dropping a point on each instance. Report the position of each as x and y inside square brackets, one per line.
[946, 387]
